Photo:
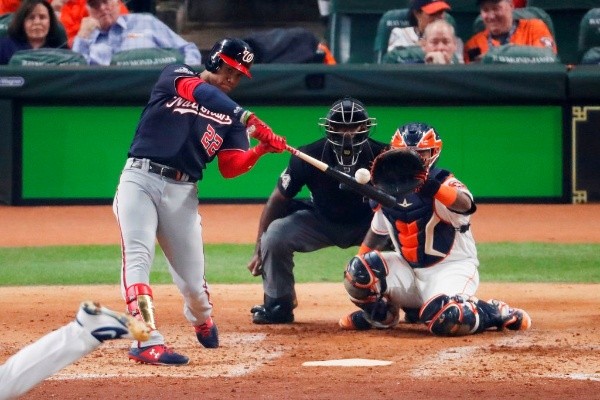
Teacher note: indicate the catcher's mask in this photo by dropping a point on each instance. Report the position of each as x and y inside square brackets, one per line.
[234, 52]
[347, 126]
[419, 137]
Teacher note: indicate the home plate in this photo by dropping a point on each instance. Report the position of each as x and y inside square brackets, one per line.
[347, 362]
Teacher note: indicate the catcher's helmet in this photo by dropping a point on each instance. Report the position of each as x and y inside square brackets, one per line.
[418, 136]
[347, 126]
[234, 52]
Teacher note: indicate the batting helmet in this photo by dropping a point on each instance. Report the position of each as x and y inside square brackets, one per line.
[418, 136]
[347, 126]
[234, 52]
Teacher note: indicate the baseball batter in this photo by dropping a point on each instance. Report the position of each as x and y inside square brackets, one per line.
[334, 216]
[434, 268]
[188, 121]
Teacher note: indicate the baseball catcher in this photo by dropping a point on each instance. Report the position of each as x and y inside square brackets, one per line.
[432, 274]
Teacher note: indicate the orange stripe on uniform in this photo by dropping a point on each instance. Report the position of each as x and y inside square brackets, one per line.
[408, 239]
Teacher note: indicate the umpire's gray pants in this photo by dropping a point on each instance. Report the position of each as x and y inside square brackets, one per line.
[303, 231]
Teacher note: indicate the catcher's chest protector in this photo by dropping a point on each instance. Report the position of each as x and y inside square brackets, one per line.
[422, 237]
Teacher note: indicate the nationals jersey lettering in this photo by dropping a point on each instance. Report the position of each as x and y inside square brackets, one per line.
[190, 135]
[184, 106]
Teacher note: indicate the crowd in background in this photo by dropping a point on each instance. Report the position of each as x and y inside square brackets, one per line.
[99, 29]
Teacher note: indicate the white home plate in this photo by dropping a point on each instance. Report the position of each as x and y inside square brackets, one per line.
[347, 362]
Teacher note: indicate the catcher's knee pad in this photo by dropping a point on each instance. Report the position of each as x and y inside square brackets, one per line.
[450, 316]
[140, 304]
[365, 277]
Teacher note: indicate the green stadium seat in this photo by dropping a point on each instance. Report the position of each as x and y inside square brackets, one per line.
[591, 56]
[352, 27]
[511, 54]
[146, 57]
[405, 55]
[397, 18]
[589, 36]
[46, 56]
[522, 13]
[4, 22]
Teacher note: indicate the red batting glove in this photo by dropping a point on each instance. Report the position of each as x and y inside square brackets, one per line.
[258, 129]
[262, 132]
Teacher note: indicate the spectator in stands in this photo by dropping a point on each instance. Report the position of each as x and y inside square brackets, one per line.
[422, 13]
[501, 28]
[439, 43]
[71, 12]
[33, 26]
[437, 46]
[105, 32]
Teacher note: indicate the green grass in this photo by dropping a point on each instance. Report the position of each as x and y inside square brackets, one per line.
[80, 265]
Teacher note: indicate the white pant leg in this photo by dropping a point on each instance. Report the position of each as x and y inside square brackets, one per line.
[401, 290]
[449, 278]
[44, 357]
[180, 237]
[135, 207]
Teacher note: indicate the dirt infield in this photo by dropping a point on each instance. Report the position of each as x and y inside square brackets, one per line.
[559, 358]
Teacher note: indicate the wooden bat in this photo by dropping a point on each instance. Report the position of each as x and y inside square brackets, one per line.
[385, 199]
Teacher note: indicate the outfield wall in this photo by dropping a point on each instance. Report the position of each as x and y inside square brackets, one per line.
[512, 133]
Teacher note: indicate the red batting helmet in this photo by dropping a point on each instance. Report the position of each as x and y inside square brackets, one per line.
[234, 52]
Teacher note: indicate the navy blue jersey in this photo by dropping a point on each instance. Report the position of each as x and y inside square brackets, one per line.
[332, 200]
[182, 134]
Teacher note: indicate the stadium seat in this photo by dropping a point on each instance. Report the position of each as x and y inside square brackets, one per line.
[46, 56]
[522, 13]
[4, 21]
[352, 27]
[146, 57]
[405, 55]
[397, 18]
[589, 37]
[511, 54]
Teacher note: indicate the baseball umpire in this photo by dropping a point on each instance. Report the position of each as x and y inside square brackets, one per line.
[434, 267]
[188, 121]
[334, 216]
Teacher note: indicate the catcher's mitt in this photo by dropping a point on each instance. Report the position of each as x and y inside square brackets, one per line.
[398, 171]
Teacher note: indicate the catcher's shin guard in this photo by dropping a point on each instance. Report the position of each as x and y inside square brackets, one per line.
[458, 315]
[464, 315]
[140, 304]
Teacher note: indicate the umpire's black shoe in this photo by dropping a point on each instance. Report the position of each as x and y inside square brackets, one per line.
[272, 315]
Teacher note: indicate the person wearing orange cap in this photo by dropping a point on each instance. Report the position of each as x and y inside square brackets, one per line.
[422, 13]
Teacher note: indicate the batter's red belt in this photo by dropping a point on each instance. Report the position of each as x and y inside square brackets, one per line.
[161, 170]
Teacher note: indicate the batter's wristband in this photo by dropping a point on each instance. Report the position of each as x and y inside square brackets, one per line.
[245, 117]
[446, 195]
[364, 249]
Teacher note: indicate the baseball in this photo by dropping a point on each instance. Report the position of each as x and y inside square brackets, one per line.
[362, 175]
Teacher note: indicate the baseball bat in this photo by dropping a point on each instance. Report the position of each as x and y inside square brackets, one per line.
[385, 199]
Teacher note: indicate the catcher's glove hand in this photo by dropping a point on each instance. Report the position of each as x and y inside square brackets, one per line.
[398, 172]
